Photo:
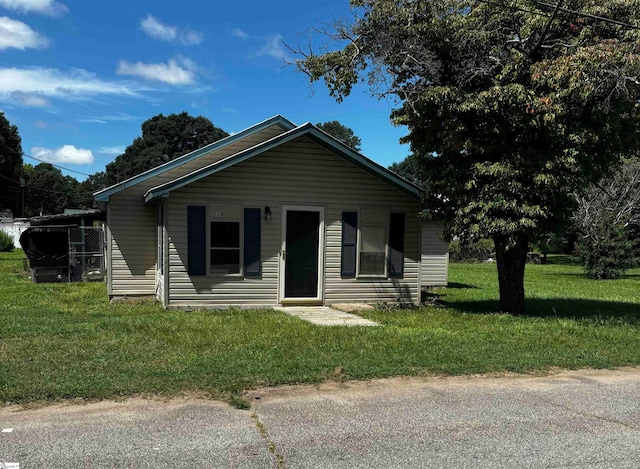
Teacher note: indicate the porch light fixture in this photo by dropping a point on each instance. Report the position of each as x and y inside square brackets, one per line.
[267, 213]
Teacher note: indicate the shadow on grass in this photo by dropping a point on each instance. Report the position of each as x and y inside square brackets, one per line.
[562, 259]
[459, 285]
[586, 277]
[597, 311]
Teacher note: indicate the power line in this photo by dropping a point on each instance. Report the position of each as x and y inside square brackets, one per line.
[589, 15]
[514, 8]
[565, 10]
[57, 166]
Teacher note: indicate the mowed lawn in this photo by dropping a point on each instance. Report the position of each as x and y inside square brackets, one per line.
[66, 341]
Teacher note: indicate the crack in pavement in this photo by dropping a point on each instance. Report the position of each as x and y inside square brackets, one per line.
[262, 429]
[595, 416]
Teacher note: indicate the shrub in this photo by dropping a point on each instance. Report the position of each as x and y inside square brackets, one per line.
[6, 242]
[608, 254]
[479, 251]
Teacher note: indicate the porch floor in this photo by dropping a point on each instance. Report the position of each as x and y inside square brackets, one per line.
[325, 316]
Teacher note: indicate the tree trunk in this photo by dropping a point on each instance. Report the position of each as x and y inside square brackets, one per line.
[511, 262]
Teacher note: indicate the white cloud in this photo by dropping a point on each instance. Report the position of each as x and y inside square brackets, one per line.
[239, 33]
[157, 30]
[17, 35]
[190, 37]
[64, 154]
[117, 117]
[28, 99]
[167, 33]
[111, 150]
[178, 71]
[46, 7]
[35, 86]
[274, 47]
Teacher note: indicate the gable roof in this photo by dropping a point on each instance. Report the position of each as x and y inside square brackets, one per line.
[307, 130]
[104, 194]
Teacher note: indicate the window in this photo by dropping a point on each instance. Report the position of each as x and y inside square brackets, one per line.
[380, 250]
[373, 246]
[225, 247]
[233, 239]
[225, 238]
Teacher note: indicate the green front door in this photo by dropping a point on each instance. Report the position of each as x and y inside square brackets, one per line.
[301, 261]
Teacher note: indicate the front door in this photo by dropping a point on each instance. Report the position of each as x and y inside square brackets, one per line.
[301, 253]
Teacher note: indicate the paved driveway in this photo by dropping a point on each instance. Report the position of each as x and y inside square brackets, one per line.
[586, 419]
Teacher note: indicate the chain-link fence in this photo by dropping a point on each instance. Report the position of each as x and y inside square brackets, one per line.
[67, 254]
[13, 265]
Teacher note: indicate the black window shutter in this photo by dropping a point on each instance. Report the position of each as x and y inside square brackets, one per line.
[349, 244]
[197, 239]
[252, 218]
[396, 245]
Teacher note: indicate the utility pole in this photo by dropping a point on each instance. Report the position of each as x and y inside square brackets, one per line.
[22, 188]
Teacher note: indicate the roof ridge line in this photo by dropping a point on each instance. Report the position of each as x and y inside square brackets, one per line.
[104, 194]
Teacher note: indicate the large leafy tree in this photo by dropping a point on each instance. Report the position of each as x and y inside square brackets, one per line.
[93, 183]
[512, 106]
[410, 168]
[163, 139]
[342, 133]
[10, 166]
[48, 191]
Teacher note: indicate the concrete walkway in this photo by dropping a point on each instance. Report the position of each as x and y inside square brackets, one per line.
[325, 316]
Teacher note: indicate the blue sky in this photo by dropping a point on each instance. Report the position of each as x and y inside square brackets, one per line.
[79, 77]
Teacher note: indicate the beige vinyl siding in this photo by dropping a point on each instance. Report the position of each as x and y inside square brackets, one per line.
[133, 244]
[299, 172]
[434, 256]
[132, 224]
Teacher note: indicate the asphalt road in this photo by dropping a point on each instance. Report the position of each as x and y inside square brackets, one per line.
[585, 419]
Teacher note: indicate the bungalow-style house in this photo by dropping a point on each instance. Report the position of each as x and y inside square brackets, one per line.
[276, 214]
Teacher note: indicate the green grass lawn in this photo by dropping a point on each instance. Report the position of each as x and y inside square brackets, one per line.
[66, 341]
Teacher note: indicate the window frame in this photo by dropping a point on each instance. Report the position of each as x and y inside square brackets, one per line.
[213, 208]
[386, 225]
[361, 228]
[212, 218]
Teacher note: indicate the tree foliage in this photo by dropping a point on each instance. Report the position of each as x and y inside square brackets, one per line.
[607, 219]
[342, 133]
[48, 191]
[512, 107]
[411, 169]
[86, 188]
[163, 139]
[10, 166]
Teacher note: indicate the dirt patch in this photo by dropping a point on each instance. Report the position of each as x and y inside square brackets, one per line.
[550, 379]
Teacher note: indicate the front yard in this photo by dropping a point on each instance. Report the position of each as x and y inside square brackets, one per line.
[66, 341]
